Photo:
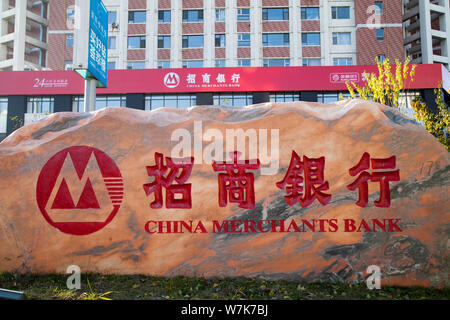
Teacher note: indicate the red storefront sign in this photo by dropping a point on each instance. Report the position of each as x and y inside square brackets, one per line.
[206, 80]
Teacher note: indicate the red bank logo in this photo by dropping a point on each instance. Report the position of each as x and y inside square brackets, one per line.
[79, 190]
[342, 77]
[171, 80]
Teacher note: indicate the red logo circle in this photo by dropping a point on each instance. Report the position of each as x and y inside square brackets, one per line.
[79, 190]
[171, 80]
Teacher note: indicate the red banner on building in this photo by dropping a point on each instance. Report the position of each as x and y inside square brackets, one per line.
[206, 80]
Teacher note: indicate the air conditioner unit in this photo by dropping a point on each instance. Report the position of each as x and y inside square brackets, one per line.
[114, 26]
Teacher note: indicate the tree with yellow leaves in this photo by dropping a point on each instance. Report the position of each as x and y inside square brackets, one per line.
[385, 87]
[435, 123]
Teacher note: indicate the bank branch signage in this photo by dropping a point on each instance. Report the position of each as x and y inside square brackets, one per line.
[85, 183]
[213, 79]
[185, 80]
[294, 190]
[98, 41]
[91, 41]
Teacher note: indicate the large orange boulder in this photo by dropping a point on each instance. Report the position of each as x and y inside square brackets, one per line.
[337, 188]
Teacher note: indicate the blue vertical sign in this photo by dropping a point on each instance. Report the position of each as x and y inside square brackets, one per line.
[98, 41]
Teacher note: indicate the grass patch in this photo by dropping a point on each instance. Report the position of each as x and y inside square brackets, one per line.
[131, 287]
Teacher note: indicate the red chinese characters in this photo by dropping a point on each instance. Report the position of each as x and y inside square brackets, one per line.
[304, 181]
[383, 177]
[177, 171]
[236, 184]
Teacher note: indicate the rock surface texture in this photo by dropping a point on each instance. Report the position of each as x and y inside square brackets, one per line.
[41, 230]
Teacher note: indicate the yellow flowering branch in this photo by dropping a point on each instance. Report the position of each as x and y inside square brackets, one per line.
[386, 87]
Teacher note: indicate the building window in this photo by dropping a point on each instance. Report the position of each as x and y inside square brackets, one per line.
[112, 43]
[156, 101]
[244, 40]
[381, 57]
[405, 100]
[220, 15]
[340, 13]
[342, 61]
[276, 62]
[69, 40]
[40, 104]
[219, 40]
[112, 17]
[70, 17]
[380, 34]
[77, 104]
[136, 65]
[219, 63]
[379, 5]
[233, 99]
[309, 13]
[68, 65]
[136, 16]
[163, 64]
[44, 10]
[269, 14]
[110, 101]
[284, 97]
[342, 38]
[244, 62]
[163, 42]
[42, 33]
[164, 16]
[111, 65]
[331, 97]
[275, 39]
[192, 64]
[136, 42]
[194, 41]
[192, 15]
[3, 114]
[100, 102]
[243, 14]
[311, 39]
[311, 62]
